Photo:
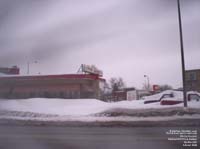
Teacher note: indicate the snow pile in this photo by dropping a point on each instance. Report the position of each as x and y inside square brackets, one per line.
[8, 75]
[2, 74]
[74, 107]
[79, 107]
[44, 108]
[71, 107]
[193, 92]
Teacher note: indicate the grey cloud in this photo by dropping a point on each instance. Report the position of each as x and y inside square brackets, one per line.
[125, 29]
[49, 42]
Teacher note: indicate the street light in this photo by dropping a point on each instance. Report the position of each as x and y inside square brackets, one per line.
[182, 54]
[148, 85]
[28, 66]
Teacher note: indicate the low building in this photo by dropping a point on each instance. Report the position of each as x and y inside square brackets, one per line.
[69, 86]
[192, 80]
[119, 95]
[9, 71]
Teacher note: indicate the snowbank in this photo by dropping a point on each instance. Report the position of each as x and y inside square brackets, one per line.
[74, 107]
[93, 109]
[78, 107]
[8, 75]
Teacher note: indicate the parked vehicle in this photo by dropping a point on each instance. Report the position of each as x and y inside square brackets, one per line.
[163, 96]
[172, 99]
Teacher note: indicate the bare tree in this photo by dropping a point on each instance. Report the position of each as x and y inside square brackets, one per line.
[165, 87]
[146, 86]
[161, 87]
[116, 83]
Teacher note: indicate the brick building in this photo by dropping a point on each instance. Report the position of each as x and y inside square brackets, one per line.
[69, 86]
[192, 78]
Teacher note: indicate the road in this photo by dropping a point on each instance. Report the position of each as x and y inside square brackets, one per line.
[54, 137]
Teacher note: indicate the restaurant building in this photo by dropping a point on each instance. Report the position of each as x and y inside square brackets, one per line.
[69, 86]
[87, 84]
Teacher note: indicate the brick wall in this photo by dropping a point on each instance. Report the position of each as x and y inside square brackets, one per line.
[71, 88]
[193, 80]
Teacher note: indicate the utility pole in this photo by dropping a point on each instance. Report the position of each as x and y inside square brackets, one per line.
[28, 66]
[182, 53]
[148, 84]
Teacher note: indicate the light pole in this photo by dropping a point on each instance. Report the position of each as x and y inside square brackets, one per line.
[148, 85]
[28, 66]
[182, 54]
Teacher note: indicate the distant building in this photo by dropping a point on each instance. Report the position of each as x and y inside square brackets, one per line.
[192, 78]
[126, 94]
[9, 71]
[69, 86]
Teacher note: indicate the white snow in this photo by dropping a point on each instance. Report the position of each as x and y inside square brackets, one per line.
[7, 75]
[72, 107]
[79, 108]
[2, 74]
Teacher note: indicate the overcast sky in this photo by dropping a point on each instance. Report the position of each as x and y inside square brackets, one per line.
[124, 38]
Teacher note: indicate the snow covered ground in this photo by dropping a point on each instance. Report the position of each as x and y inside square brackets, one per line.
[82, 109]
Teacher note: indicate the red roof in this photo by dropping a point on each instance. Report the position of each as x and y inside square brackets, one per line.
[59, 76]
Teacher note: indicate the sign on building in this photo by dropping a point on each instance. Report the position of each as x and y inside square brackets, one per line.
[91, 69]
[156, 88]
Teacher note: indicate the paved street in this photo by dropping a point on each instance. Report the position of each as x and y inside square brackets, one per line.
[46, 137]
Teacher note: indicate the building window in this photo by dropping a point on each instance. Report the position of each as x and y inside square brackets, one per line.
[192, 76]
